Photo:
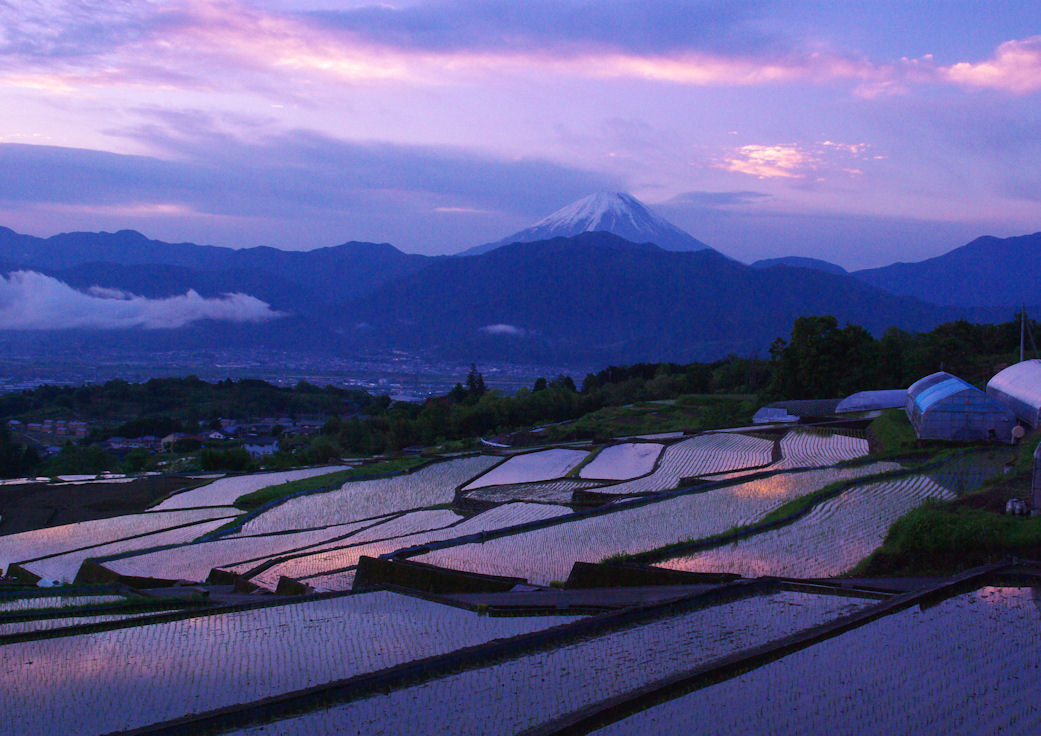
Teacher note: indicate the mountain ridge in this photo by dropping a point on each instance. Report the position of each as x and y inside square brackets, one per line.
[618, 213]
[597, 297]
[987, 271]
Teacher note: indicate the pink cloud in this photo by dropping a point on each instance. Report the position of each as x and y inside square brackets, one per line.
[792, 161]
[768, 162]
[1015, 67]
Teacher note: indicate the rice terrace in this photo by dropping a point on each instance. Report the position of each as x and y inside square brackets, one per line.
[520, 368]
[630, 584]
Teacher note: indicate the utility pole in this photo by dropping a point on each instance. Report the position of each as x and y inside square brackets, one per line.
[1022, 328]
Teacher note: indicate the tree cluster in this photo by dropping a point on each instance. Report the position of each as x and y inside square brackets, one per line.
[821, 360]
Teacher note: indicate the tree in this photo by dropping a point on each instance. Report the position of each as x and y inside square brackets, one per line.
[822, 361]
[16, 460]
[563, 382]
[475, 383]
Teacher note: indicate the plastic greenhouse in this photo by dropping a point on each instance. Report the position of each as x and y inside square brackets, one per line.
[1018, 388]
[944, 407]
[872, 400]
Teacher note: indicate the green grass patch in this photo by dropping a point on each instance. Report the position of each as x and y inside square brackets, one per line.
[689, 413]
[891, 433]
[258, 498]
[942, 539]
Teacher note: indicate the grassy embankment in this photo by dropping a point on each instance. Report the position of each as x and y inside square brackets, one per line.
[891, 437]
[258, 498]
[687, 413]
[943, 538]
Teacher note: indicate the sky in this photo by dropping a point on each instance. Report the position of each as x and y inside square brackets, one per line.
[858, 132]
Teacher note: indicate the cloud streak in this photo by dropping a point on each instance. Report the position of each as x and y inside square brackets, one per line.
[791, 161]
[62, 45]
[34, 301]
[504, 329]
[296, 189]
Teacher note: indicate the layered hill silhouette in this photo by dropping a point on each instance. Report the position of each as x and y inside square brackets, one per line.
[986, 272]
[599, 297]
[288, 280]
[584, 294]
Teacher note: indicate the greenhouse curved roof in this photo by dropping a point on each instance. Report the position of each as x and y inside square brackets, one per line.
[1022, 380]
[868, 400]
[937, 387]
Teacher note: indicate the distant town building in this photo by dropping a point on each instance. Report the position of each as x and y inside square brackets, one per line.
[944, 407]
[1018, 388]
[168, 442]
[261, 446]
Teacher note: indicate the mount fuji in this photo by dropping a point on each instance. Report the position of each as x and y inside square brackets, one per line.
[618, 213]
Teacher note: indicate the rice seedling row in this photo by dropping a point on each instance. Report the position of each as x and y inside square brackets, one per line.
[530, 467]
[224, 659]
[553, 491]
[830, 540]
[702, 455]
[403, 525]
[547, 554]
[64, 567]
[807, 448]
[194, 561]
[883, 678]
[68, 537]
[37, 603]
[11, 628]
[623, 461]
[523, 692]
[302, 568]
[342, 580]
[224, 491]
[657, 436]
[433, 485]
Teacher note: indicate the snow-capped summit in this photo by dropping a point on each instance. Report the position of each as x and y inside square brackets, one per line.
[618, 213]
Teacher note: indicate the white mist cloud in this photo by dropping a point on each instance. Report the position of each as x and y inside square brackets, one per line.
[33, 301]
[503, 329]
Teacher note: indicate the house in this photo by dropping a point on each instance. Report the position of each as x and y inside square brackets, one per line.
[261, 446]
[174, 440]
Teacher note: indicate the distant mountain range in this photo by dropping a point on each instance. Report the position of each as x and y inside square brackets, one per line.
[597, 297]
[584, 294]
[288, 280]
[988, 271]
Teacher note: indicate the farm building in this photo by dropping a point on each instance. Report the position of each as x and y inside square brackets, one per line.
[1018, 388]
[872, 400]
[944, 407]
[771, 415]
[796, 410]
